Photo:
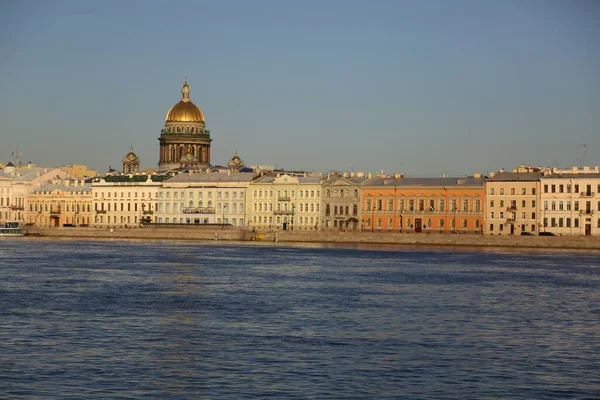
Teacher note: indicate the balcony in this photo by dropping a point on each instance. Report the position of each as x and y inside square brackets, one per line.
[284, 198]
[587, 194]
[100, 211]
[17, 208]
[54, 212]
[283, 212]
[199, 210]
[511, 221]
[586, 212]
[511, 209]
[148, 212]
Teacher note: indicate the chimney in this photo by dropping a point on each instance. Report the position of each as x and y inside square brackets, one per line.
[360, 174]
[477, 175]
[351, 174]
[369, 176]
[345, 174]
[492, 174]
[397, 176]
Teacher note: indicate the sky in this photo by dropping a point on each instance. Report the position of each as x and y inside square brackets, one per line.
[421, 88]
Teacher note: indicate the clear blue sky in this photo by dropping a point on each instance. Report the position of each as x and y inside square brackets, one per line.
[417, 87]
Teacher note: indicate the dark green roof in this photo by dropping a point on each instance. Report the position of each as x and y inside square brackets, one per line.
[135, 178]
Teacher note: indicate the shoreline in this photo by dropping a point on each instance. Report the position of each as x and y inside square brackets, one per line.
[326, 237]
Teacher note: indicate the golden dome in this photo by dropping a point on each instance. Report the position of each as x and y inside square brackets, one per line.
[185, 110]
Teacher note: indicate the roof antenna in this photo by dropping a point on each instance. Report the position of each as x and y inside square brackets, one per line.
[583, 158]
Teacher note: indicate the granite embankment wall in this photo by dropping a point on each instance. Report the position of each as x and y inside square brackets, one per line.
[414, 239]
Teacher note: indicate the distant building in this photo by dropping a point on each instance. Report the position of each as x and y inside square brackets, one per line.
[184, 141]
[125, 200]
[340, 205]
[205, 198]
[131, 163]
[512, 202]
[396, 203]
[59, 203]
[286, 202]
[569, 202]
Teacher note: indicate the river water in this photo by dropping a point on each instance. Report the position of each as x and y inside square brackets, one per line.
[187, 320]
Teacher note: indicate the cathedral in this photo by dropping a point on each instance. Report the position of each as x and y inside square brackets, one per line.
[184, 141]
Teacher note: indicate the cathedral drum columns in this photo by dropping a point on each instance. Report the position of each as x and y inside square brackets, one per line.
[184, 141]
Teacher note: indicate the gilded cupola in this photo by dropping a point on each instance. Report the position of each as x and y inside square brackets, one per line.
[185, 110]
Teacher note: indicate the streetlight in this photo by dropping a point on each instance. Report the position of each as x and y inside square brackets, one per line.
[400, 220]
[455, 230]
[373, 218]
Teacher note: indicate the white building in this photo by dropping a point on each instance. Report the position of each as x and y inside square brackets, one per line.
[570, 203]
[286, 202]
[125, 200]
[205, 198]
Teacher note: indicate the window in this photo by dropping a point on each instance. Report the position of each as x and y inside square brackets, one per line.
[523, 191]
[492, 215]
[501, 203]
[523, 204]
[501, 191]
[477, 225]
[523, 215]
[390, 204]
[553, 205]
[501, 214]
[491, 203]
[533, 203]
[576, 222]
[465, 223]
[561, 188]
[545, 188]
[553, 187]
[465, 205]
[491, 227]
[512, 191]
[576, 206]
[491, 191]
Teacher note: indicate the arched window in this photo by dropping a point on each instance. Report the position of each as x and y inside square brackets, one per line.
[200, 203]
[187, 129]
[178, 129]
[210, 203]
[191, 203]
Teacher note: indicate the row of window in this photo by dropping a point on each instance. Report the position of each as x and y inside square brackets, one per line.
[427, 223]
[340, 193]
[108, 195]
[19, 201]
[560, 188]
[563, 222]
[306, 221]
[180, 129]
[286, 194]
[512, 215]
[179, 207]
[66, 206]
[341, 210]
[513, 203]
[200, 194]
[513, 191]
[422, 205]
[302, 207]
[566, 205]
[167, 220]
[147, 207]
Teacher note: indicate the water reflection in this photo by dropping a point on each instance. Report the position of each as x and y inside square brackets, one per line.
[103, 319]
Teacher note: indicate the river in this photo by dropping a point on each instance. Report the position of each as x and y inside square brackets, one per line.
[189, 320]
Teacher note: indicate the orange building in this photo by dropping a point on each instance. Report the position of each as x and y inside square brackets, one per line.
[423, 204]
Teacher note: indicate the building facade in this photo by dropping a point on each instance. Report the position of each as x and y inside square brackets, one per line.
[341, 205]
[184, 136]
[512, 202]
[423, 204]
[286, 202]
[125, 200]
[205, 198]
[570, 204]
[60, 203]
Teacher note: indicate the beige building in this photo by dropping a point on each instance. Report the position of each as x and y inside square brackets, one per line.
[60, 203]
[124, 200]
[340, 205]
[285, 202]
[205, 198]
[17, 182]
[570, 202]
[512, 202]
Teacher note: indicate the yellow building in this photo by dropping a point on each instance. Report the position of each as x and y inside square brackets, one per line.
[60, 203]
[285, 202]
